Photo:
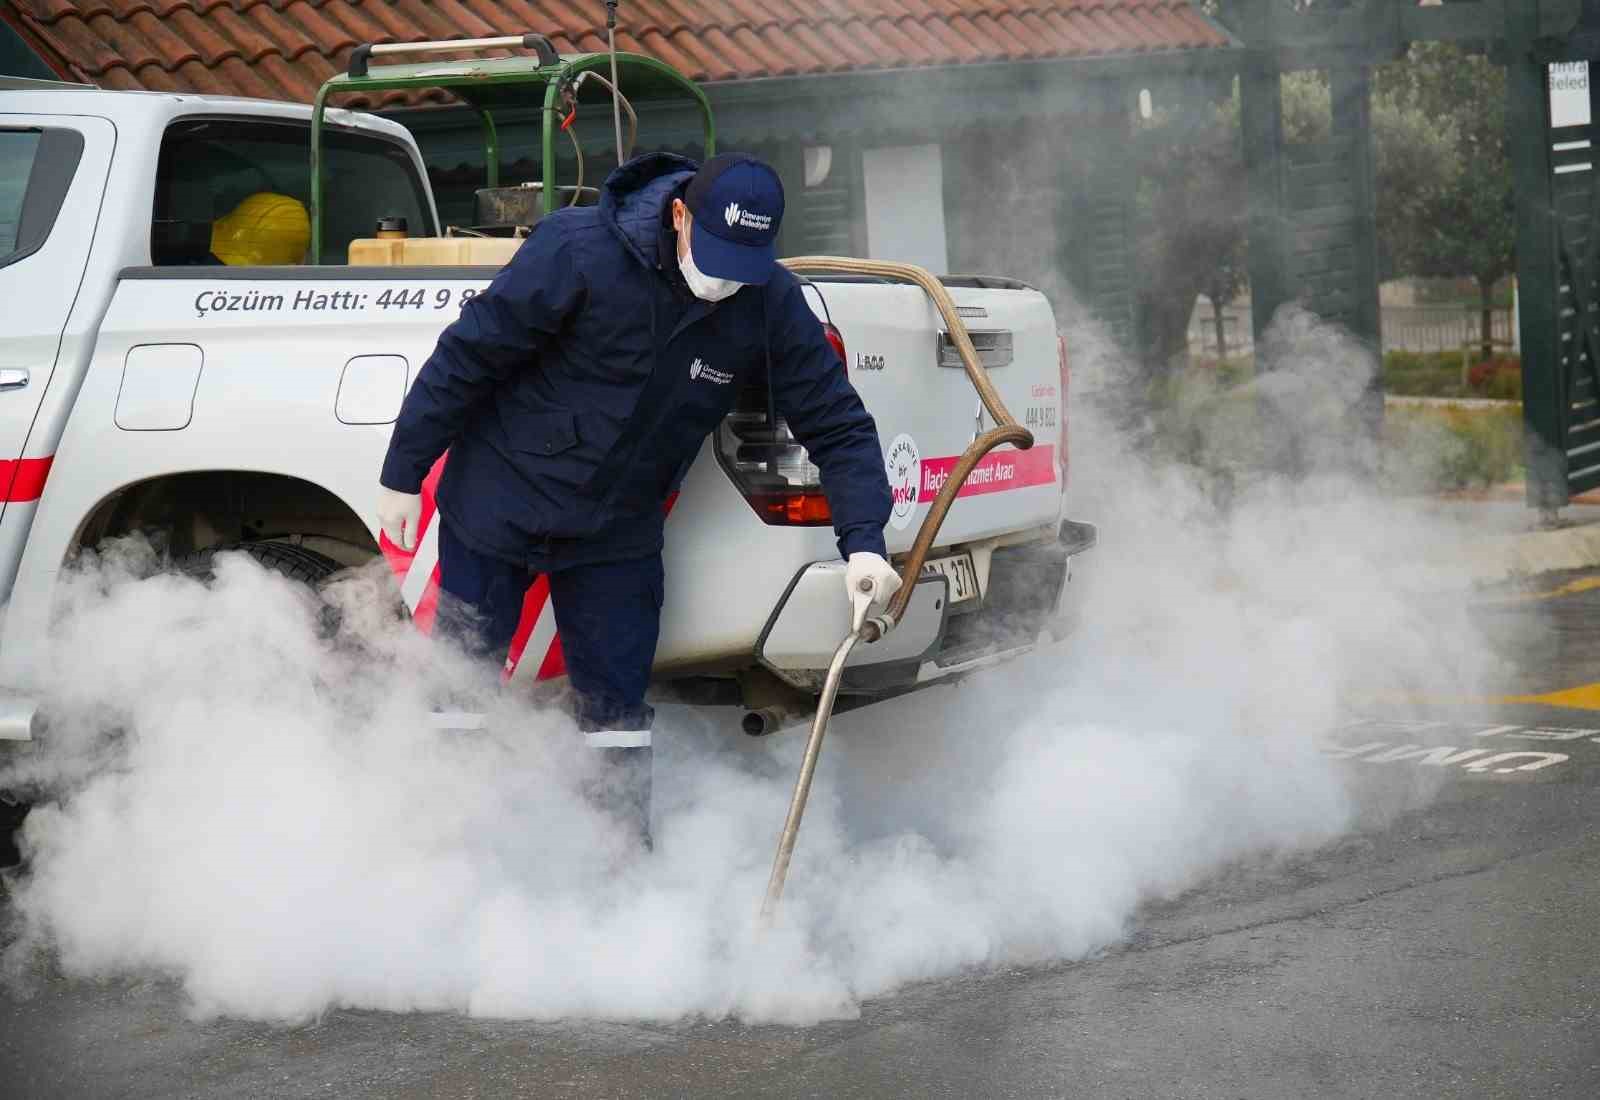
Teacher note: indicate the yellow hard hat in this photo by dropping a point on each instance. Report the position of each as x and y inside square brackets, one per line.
[266, 228]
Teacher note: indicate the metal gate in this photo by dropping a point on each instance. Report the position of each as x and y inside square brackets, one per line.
[1556, 163]
[1557, 181]
[1575, 191]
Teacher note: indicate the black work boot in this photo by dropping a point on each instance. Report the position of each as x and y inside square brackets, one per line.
[623, 789]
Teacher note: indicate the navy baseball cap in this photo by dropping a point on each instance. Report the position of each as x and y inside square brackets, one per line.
[736, 202]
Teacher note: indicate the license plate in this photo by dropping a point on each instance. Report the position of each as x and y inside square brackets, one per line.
[962, 574]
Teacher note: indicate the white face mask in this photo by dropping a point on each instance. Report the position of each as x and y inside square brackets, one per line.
[701, 285]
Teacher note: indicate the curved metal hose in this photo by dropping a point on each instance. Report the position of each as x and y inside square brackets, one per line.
[617, 98]
[577, 151]
[1007, 430]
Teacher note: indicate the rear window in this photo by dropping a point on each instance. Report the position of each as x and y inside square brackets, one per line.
[238, 192]
[36, 168]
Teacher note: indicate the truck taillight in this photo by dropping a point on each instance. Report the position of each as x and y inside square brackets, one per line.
[768, 467]
[836, 340]
[1066, 376]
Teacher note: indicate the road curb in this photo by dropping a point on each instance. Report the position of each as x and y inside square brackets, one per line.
[1495, 559]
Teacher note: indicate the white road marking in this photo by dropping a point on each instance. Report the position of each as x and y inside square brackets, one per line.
[1476, 761]
[1539, 761]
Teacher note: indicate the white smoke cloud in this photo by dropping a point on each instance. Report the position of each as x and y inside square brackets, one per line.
[264, 814]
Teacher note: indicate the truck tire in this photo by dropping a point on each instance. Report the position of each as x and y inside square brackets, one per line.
[295, 562]
[284, 558]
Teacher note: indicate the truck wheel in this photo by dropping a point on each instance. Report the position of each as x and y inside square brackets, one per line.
[295, 562]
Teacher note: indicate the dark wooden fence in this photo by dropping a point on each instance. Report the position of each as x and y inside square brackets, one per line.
[1405, 328]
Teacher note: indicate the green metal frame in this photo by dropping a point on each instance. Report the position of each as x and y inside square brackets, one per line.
[1348, 38]
[486, 85]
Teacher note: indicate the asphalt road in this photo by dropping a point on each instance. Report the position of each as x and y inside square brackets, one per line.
[1447, 951]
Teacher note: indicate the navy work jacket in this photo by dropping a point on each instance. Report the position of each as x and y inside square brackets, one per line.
[576, 390]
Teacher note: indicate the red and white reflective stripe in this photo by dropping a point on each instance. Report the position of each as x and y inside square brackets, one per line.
[22, 479]
[417, 573]
[996, 472]
[536, 633]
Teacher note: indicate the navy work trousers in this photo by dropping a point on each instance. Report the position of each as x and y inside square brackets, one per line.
[608, 615]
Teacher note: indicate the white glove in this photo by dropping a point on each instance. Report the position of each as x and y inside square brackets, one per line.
[400, 516]
[870, 567]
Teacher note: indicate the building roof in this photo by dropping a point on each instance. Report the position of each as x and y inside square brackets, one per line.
[285, 49]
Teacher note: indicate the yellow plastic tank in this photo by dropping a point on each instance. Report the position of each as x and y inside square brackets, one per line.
[433, 252]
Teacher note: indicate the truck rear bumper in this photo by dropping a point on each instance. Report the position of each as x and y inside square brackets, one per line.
[1026, 590]
[813, 617]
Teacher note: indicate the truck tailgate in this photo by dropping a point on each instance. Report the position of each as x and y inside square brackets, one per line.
[927, 412]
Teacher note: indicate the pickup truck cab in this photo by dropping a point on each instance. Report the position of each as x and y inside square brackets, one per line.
[145, 386]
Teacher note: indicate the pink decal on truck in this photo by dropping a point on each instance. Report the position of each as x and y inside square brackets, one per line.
[997, 472]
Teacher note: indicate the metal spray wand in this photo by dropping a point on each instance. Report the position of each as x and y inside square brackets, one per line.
[616, 88]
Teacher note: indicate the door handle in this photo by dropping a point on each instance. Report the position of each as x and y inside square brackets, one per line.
[13, 378]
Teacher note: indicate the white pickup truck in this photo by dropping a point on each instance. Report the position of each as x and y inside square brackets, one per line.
[146, 387]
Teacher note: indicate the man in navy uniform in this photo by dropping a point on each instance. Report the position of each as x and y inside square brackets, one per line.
[567, 396]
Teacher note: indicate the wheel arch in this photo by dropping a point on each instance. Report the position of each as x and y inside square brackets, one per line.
[199, 509]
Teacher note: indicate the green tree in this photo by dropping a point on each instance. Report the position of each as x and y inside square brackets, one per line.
[1193, 208]
[1191, 222]
[1434, 215]
[1463, 224]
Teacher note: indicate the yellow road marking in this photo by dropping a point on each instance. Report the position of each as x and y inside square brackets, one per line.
[1571, 588]
[1586, 697]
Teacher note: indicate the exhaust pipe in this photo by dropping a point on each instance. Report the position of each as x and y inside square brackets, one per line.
[17, 718]
[765, 720]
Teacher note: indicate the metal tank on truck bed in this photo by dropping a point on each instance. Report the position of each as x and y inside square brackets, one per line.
[150, 380]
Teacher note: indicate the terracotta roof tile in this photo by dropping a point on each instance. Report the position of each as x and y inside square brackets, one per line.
[720, 53]
[666, 48]
[815, 55]
[465, 20]
[203, 35]
[897, 37]
[772, 60]
[1078, 34]
[120, 80]
[51, 10]
[1127, 29]
[284, 49]
[261, 34]
[234, 77]
[327, 37]
[924, 48]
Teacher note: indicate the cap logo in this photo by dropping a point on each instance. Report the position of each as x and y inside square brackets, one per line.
[746, 219]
